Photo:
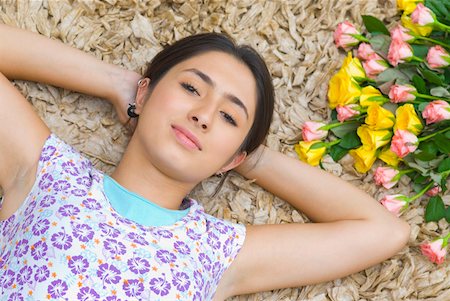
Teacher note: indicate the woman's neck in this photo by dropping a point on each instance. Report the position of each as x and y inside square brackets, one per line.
[138, 175]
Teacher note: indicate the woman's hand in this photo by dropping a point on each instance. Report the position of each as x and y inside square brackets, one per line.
[252, 162]
[125, 85]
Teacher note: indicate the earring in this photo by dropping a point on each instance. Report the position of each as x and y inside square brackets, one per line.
[131, 110]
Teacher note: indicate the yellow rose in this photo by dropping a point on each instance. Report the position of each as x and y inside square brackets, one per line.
[308, 155]
[353, 67]
[378, 118]
[423, 31]
[342, 90]
[389, 157]
[408, 6]
[364, 158]
[370, 95]
[407, 119]
[372, 138]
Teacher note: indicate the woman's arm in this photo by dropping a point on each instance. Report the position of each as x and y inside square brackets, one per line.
[352, 230]
[29, 56]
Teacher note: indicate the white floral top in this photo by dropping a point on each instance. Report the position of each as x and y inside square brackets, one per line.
[66, 242]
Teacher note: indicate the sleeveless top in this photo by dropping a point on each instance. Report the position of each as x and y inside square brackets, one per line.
[66, 242]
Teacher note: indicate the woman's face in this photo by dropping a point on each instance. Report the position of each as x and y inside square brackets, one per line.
[197, 117]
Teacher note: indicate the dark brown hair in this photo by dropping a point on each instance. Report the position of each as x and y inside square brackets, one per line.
[197, 44]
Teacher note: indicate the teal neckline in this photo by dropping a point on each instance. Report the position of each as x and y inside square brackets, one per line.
[138, 209]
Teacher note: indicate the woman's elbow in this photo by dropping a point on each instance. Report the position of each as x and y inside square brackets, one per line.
[398, 234]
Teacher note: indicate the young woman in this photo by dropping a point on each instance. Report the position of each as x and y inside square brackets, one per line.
[68, 231]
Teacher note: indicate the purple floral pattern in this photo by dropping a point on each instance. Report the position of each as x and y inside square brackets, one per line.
[66, 243]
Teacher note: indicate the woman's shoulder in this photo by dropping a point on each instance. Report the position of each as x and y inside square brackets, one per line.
[57, 159]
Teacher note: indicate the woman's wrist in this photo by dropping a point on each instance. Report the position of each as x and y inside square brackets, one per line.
[254, 163]
[122, 90]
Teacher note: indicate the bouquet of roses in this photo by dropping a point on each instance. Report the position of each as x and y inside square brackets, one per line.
[391, 101]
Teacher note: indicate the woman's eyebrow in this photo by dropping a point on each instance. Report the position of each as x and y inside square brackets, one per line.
[234, 99]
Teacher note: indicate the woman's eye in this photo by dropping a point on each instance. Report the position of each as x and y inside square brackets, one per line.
[190, 88]
[228, 118]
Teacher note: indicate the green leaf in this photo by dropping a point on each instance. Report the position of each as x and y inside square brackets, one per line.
[442, 143]
[373, 25]
[439, 92]
[435, 209]
[420, 50]
[342, 130]
[333, 115]
[350, 140]
[447, 214]
[419, 83]
[428, 150]
[336, 152]
[444, 165]
[432, 77]
[380, 43]
[391, 74]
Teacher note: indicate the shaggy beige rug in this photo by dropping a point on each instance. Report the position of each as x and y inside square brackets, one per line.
[295, 38]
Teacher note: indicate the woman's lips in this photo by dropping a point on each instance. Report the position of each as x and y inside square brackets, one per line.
[186, 138]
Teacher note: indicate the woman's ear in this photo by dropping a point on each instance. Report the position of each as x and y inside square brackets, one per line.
[141, 94]
[237, 159]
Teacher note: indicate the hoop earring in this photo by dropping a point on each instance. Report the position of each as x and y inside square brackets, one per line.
[131, 110]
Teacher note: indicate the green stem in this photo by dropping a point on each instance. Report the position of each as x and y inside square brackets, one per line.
[335, 125]
[329, 144]
[445, 238]
[427, 96]
[402, 172]
[433, 134]
[432, 41]
[425, 189]
[441, 26]
[416, 58]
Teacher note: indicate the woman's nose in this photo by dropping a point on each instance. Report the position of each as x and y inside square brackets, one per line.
[202, 116]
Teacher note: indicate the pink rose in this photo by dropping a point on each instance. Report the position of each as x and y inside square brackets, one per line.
[395, 203]
[311, 131]
[435, 251]
[343, 35]
[364, 51]
[346, 112]
[399, 52]
[422, 15]
[385, 176]
[374, 65]
[437, 57]
[404, 142]
[401, 33]
[436, 111]
[434, 191]
[402, 93]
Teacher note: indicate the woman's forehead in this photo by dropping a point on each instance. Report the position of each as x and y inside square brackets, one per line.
[222, 71]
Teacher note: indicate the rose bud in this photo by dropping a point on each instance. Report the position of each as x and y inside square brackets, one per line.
[435, 251]
[344, 35]
[399, 52]
[374, 65]
[364, 51]
[404, 142]
[346, 112]
[402, 93]
[422, 15]
[311, 131]
[386, 176]
[437, 57]
[434, 191]
[400, 32]
[395, 203]
[436, 111]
